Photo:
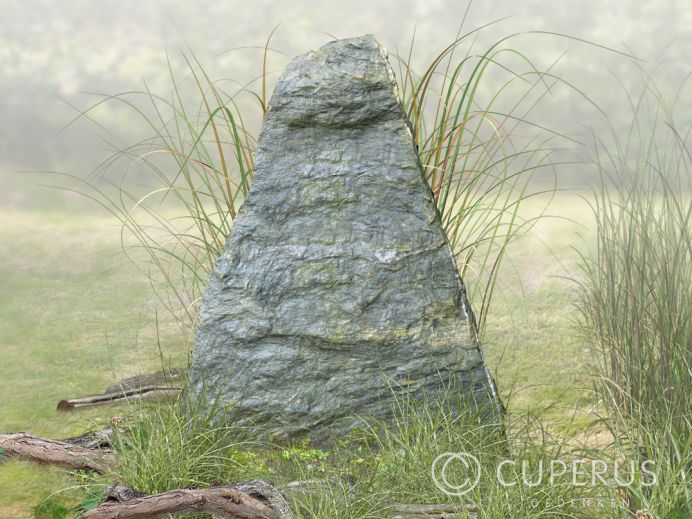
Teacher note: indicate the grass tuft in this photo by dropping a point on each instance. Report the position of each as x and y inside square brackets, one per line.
[636, 296]
[165, 448]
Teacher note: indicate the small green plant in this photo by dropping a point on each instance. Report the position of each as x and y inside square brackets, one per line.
[304, 452]
[51, 509]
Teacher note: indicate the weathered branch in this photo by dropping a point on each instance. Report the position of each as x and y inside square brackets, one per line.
[312, 486]
[153, 386]
[101, 439]
[61, 453]
[398, 510]
[125, 503]
[437, 511]
[258, 489]
[143, 393]
[222, 501]
[169, 377]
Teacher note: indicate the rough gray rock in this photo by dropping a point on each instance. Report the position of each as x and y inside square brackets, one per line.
[337, 288]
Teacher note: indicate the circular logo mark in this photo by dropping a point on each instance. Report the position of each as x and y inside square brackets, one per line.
[441, 469]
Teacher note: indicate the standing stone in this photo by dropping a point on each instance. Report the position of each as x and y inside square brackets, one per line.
[337, 288]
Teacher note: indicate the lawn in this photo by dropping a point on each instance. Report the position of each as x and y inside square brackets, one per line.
[75, 315]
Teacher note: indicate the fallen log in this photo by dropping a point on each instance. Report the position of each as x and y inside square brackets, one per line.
[169, 377]
[397, 510]
[433, 516]
[143, 506]
[60, 453]
[224, 501]
[258, 489]
[153, 386]
[143, 393]
[101, 439]
[430, 511]
[313, 486]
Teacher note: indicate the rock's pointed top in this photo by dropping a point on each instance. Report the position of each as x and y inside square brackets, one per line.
[344, 83]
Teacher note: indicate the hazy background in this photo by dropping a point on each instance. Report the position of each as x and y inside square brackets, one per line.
[54, 56]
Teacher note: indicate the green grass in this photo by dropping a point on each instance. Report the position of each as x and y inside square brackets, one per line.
[73, 315]
[365, 474]
[539, 361]
[169, 449]
[404, 452]
[67, 289]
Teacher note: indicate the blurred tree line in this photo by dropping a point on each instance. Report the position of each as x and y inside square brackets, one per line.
[57, 58]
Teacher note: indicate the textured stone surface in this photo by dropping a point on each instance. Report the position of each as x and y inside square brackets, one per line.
[337, 286]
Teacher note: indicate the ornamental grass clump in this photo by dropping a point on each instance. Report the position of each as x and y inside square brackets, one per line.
[636, 296]
[180, 188]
